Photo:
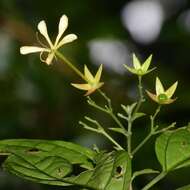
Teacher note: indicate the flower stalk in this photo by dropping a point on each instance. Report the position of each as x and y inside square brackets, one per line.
[152, 130]
[68, 63]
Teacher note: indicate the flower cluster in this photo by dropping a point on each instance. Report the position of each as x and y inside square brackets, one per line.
[161, 96]
[93, 83]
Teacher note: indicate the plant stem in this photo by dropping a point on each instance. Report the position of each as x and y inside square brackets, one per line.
[129, 137]
[152, 130]
[141, 97]
[130, 119]
[156, 112]
[154, 181]
[142, 143]
[65, 60]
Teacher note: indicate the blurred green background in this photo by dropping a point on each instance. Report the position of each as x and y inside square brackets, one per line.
[37, 101]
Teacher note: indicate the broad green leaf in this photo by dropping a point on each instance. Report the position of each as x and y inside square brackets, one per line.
[121, 174]
[173, 149]
[187, 187]
[53, 163]
[76, 154]
[111, 170]
[41, 168]
[48, 162]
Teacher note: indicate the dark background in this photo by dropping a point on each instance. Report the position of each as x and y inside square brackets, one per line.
[37, 101]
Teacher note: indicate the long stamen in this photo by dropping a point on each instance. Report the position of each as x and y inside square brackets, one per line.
[40, 42]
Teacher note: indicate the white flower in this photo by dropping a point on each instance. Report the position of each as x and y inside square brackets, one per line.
[52, 47]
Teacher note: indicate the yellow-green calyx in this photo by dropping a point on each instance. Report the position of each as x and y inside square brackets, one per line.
[93, 83]
[162, 96]
[138, 68]
[51, 48]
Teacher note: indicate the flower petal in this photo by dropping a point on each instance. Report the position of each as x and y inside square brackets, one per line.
[152, 96]
[67, 39]
[93, 89]
[131, 70]
[50, 58]
[63, 24]
[159, 87]
[99, 85]
[169, 101]
[98, 74]
[146, 64]
[171, 90]
[88, 75]
[32, 49]
[136, 62]
[82, 86]
[150, 70]
[90, 91]
[43, 30]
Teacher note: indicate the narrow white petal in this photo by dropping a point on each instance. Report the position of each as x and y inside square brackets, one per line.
[67, 39]
[63, 24]
[31, 49]
[43, 30]
[50, 58]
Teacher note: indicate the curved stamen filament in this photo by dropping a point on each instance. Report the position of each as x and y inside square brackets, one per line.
[41, 57]
[40, 42]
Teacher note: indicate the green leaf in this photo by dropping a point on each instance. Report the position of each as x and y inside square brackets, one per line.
[48, 162]
[76, 154]
[121, 173]
[173, 149]
[138, 115]
[41, 168]
[53, 163]
[122, 116]
[110, 171]
[187, 187]
[119, 130]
